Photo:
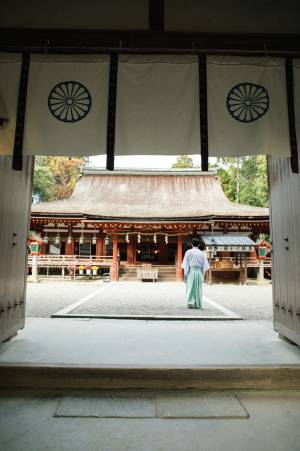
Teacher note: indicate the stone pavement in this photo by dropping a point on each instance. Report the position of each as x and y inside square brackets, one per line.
[149, 299]
[223, 421]
[46, 298]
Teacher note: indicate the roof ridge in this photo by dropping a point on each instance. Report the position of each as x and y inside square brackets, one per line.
[132, 171]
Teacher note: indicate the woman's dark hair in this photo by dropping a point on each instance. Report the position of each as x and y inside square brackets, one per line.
[195, 242]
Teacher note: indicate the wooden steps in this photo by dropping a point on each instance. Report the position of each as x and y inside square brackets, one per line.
[35, 376]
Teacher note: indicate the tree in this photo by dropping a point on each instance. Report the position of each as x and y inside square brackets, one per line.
[55, 177]
[183, 161]
[42, 180]
[244, 179]
[65, 172]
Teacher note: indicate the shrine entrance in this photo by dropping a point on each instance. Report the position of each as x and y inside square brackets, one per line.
[120, 111]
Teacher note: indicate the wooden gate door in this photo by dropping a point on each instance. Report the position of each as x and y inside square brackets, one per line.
[285, 233]
[15, 200]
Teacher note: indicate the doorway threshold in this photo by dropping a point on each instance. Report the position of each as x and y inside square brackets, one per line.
[150, 317]
[68, 353]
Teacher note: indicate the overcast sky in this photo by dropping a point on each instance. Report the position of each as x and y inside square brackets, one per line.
[141, 161]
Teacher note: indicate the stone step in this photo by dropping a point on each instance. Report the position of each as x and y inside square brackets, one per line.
[37, 376]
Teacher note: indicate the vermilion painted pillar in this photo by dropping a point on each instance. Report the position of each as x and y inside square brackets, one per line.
[114, 269]
[99, 246]
[70, 248]
[179, 258]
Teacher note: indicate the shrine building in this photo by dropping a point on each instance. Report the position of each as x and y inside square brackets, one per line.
[141, 217]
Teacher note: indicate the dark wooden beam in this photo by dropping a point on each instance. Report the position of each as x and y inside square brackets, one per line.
[156, 15]
[76, 41]
[203, 112]
[17, 163]
[111, 113]
[291, 114]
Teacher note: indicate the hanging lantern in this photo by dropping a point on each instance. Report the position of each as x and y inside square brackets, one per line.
[106, 240]
[81, 239]
[127, 238]
[70, 239]
[154, 238]
[46, 239]
[57, 238]
[139, 237]
[94, 239]
[166, 239]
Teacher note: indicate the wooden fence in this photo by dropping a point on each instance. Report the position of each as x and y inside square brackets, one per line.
[71, 263]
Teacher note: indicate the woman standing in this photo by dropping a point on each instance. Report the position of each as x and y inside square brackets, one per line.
[195, 265]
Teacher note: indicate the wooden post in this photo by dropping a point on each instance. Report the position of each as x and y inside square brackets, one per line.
[69, 248]
[260, 273]
[210, 270]
[99, 246]
[246, 269]
[34, 269]
[179, 259]
[114, 269]
[130, 253]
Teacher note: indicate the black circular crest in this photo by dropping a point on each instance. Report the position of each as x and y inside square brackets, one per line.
[69, 101]
[247, 102]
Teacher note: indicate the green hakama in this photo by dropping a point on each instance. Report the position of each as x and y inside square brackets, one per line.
[194, 283]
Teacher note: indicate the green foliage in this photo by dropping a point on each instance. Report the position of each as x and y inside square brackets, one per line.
[183, 161]
[244, 179]
[55, 177]
[42, 179]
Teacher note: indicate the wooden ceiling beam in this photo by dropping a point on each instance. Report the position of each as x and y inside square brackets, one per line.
[87, 41]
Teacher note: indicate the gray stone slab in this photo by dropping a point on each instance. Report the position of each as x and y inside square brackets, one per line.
[134, 299]
[199, 405]
[107, 405]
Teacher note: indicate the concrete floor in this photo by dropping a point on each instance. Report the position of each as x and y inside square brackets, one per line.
[27, 423]
[142, 343]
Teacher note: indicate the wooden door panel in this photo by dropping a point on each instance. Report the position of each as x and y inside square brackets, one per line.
[15, 204]
[285, 226]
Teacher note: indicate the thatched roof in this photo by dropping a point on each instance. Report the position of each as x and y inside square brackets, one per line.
[151, 195]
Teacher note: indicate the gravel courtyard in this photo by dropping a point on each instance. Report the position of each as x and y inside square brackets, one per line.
[251, 302]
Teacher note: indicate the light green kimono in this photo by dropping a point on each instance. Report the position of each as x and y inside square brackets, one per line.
[194, 282]
[195, 265]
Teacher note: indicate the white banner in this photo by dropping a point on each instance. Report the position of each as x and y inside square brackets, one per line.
[10, 71]
[66, 109]
[247, 106]
[157, 105]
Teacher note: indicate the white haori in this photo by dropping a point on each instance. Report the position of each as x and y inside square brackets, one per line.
[10, 72]
[247, 106]
[195, 258]
[157, 105]
[66, 108]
